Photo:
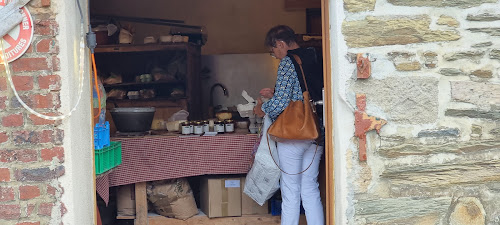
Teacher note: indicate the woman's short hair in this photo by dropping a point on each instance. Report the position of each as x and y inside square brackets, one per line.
[280, 33]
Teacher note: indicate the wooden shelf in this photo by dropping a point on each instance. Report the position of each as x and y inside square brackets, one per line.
[202, 219]
[148, 99]
[143, 84]
[144, 47]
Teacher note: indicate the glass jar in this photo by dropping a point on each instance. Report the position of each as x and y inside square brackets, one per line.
[198, 127]
[191, 127]
[185, 128]
[229, 126]
[219, 127]
[206, 126]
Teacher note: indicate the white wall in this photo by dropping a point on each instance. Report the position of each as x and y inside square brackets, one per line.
[78, 181]
[343, 116]
[238, 72]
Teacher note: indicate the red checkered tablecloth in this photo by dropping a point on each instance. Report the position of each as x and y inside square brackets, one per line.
[152, 158]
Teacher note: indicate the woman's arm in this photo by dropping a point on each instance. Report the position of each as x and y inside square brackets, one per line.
[285, 83]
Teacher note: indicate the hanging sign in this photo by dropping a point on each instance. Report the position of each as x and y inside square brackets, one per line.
[18, 40]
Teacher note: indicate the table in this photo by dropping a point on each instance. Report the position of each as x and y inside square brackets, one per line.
[158, 157]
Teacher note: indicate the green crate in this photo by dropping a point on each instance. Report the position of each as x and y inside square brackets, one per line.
[108, 157]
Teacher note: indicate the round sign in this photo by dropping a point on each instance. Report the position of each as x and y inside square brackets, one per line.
[18, 40]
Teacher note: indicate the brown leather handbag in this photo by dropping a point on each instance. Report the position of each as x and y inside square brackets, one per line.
[299, 120]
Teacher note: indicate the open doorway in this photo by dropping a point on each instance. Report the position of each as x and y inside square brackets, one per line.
[233, 48]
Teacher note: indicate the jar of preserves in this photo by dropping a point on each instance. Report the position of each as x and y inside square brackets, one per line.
[185, 128]
[191, 127]
[229, 126]
[219, 127]
[198, 127]
[206, 126]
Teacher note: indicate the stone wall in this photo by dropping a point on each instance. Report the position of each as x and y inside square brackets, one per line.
[31, 152]
[436, 80]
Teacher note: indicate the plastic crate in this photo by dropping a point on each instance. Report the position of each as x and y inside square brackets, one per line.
[108, 157]
[101, 135]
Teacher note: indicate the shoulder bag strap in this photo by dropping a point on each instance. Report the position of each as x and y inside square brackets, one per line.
[299, 61]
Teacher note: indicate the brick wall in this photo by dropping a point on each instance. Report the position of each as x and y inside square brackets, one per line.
[31, 152]
[435, 80]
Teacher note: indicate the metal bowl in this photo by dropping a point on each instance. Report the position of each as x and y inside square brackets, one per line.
[138, 119]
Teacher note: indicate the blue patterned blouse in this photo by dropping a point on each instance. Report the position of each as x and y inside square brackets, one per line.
[287, 89]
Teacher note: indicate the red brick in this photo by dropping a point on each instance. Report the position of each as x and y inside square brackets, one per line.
[29, 64]
[39, 121]
[28, 192]
[23, 83]
[4, 175]
[46, 27]
[44, 101]
[48, 154]
[64, 210]
[51, 190]
[39, 174]
[48, 45]
[26, 137]
[29, 209]
[3, 137]
[28, 223]
[10, 212]
[14, 120]
[18, 155]
[45, 209]
[45, 3]
[46, 136]
[3, 101]
[6, 194]
[30, 49]
[51, 82]
[3, 83]
[56, 63]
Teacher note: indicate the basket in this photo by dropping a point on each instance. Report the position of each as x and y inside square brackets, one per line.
[108, 157]
[101, 135]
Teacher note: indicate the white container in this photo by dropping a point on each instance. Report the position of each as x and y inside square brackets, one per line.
[185, 129]
[198, 129]
[206, 127]
[219, 128]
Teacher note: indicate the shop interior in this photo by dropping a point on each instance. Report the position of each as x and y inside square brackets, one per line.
[176, 71]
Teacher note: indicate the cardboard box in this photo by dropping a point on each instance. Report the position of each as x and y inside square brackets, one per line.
[220, 196]
[249, 206]
[125, 200]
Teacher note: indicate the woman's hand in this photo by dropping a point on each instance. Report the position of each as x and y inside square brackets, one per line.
[267, 92]
[258, 109]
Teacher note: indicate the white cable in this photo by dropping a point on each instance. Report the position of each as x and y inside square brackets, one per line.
[82, 78]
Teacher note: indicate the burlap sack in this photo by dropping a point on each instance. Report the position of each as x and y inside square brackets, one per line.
[172, 198]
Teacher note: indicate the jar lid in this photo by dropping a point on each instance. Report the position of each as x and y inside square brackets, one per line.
[228, 121]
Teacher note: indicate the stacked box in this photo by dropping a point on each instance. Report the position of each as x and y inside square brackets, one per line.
[101, 135]
[108, 157]
[220, 196]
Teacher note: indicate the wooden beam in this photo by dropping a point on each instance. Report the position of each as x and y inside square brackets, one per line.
[11, 16]
[328, 101]
[141, 204]
[204, 220]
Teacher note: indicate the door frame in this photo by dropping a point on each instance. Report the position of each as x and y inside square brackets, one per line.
[328, 101]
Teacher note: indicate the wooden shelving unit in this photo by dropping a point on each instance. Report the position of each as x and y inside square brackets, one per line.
[130, 61]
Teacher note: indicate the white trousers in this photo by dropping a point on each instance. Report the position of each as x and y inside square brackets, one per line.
[295, 156]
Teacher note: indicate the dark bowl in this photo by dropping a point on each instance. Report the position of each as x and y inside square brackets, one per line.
[133, 119]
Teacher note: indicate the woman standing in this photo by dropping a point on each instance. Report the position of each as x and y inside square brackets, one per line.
[295, 155]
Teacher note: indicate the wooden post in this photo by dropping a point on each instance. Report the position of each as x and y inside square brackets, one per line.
[141, 204]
